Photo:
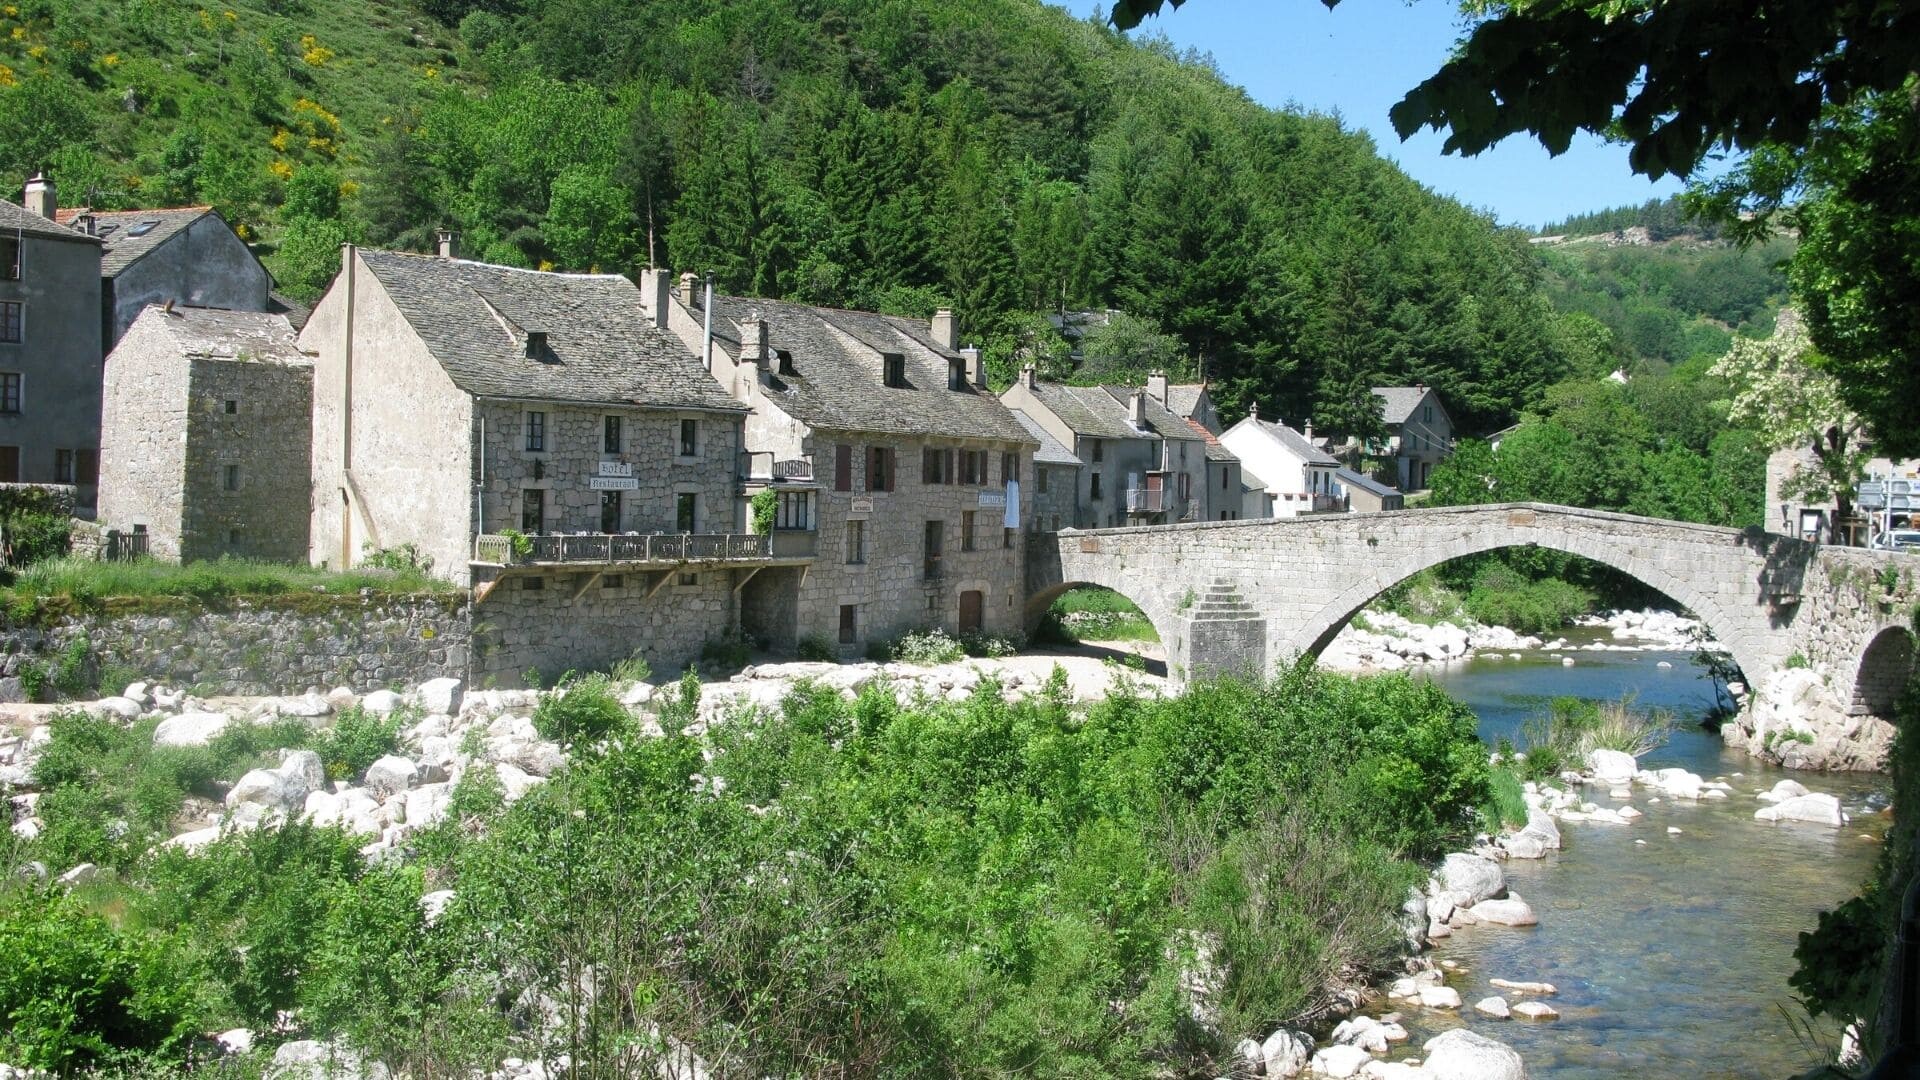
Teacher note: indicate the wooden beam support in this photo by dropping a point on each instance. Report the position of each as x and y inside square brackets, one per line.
[581, 589]
[742, 583]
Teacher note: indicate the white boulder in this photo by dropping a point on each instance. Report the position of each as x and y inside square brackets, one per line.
[381, 701]
[1495, 1006]
[1439, 997]
[121, 708]
[1782, 791]
[1818, 809]
[1612, 767]
[434, 904]
[442, 697]
[1340, 1061]
[191, 729]
[1535, 1010]
[391, 774]
[1468, 879]
[1512, 911]
[1287, 1052]
[235, 1041]
[1463, 1055]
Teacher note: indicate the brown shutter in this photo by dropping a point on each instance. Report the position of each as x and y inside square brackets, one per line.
[843, 467]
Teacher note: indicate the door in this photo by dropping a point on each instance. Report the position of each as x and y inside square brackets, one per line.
[972, 607]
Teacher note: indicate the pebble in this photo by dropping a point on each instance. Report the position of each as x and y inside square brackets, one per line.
[1536, 1010]
[1673, 830]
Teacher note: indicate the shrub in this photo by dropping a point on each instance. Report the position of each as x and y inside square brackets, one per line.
[356, 740]
[631, 670]
[35, 537]
[407, 559]
[580, 711]
[1506, 799]
[926, 647]
[1502, 597]
[979, 643]
[817, 647]
[729, 651]
[1570, 727]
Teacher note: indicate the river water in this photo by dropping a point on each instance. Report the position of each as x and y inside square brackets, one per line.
[1671, 957]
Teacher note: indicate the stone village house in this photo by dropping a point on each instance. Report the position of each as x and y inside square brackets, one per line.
[1419, 433]
[457, 403]
[889, 458]
[188, 255]
[1299, 476]
[204, 435]
[49, 347]
[1141, 463]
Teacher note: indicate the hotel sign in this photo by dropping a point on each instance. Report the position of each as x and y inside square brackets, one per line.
[993, 498]
[612, 483]
[616, 468]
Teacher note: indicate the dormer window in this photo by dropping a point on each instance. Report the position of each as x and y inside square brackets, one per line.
[894, 367]
[956, 374]
[536, 345]
[785, 360]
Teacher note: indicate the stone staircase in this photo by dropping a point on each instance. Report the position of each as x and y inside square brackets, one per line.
[1220, 601]
[1223, 634]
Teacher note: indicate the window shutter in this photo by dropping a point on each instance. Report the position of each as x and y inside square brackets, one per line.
[843, 467]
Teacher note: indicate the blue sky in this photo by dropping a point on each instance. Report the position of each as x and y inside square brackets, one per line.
[1357, 60]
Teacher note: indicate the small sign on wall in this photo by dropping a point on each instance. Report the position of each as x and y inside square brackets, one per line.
[993, 498]
[616, 468]
[861, 506]
[612, 483]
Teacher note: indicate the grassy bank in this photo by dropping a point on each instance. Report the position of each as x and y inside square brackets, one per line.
[1091, 613]
[82, 581]
[964, 888]
[1493, 594]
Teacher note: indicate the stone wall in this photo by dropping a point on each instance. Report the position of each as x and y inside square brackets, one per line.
[1054, 507]
[584, 621]
[268, 646]
[266, 441]
[143, 452]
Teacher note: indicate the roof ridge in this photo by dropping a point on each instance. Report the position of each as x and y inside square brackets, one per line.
[577, 274]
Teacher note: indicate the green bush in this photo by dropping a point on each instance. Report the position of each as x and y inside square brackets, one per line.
[631, 670]
[1506, 799]
[580, 711]
[356, 740]
[817, 647]
[1569, 728]
[1502, 597]
[33, 537]
[728, 652]
[926, 647]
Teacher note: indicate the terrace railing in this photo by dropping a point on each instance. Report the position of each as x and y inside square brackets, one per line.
[622, 548]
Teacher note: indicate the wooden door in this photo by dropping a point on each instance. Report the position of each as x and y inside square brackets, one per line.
[972, 608]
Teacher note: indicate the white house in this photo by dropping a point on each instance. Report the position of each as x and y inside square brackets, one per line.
[1299, 477]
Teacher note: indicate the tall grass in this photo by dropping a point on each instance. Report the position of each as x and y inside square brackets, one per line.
[1095, 614]
[87, 579]
[1571, 727]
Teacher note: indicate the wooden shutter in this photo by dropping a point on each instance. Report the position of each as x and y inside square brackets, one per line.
[843, 467]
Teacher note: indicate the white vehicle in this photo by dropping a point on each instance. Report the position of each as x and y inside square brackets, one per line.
[1907, 540]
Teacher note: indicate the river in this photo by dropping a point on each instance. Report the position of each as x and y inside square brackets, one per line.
[1672, 956]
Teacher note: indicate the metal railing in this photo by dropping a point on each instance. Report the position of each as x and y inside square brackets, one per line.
[1146, 500]
[763, 466]
[622, 548]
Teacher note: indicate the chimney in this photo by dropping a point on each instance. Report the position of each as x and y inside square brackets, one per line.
[449, 244]
[1157, 386]
[1306, 430]
[42, 198]
[1138, 406]
[689, 281]
[1029, 376]
[976, 367]
[753, 356]
[1253, 411]
[87, 223]
[945, 333]
[656, 292]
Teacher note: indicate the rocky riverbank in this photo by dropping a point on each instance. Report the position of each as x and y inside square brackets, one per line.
[1384, 641]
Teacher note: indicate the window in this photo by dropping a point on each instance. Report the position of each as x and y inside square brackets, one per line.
[609, 511]
[689, 579]
[879, 468]
[933, 466]
[956, 374]
[233, 537]
[966, 530]
[231, 407]
[1009, 467]
[537, 432]
[611, 581]
[1223, 479]
[86, 467]
[9, 391]
[230, 477]
[9, 464]
[1006, 538]
[794, 511]
[533, 511]
[686, 511]
[689, 438]
[1426, 414]
[842, 467]
[856, 542]
[12, 318]
[1040, 478]
[9, 259]
[1094, 494]
[973, 467]
[533, 584]
[936, 535]
[1099, 450]
[610, 441]
[849, 624]
[63, 466]
[894, 371]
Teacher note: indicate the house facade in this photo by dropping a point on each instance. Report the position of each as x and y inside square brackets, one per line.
[1140, 463]
[1188, 400]
[1299, 476]
[883, 451]
[49, 348]
[1419, 433]
[204, 435]
[1056, 480]
[537, 436]
[188, 255]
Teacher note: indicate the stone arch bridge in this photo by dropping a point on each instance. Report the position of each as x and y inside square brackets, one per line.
[1244, 596]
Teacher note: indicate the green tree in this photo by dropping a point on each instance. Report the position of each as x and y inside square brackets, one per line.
[587, 224]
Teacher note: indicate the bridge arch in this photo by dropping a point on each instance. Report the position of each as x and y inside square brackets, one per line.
[1885, 666]
[1731, 624]
[1041, 601]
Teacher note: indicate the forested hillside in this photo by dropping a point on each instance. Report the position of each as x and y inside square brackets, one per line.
[1000, 156]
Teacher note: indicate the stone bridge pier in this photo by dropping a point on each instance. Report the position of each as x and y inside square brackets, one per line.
[1242, 597]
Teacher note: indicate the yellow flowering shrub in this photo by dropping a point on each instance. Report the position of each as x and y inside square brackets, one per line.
[314, 53]
[281, 169]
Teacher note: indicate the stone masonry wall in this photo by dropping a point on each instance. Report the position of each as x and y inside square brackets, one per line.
[143, 438]
[580, 621]
[266, 440]
[269, 646]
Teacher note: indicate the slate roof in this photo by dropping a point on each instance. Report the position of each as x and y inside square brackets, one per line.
[1160, 419]
[1348, 478]
[601, 347]
[838, 366]
[1400, 401]
[296, 312]
[1088, 411]
[211, 333]
[116, 229]
[1215, 451]
[18, 219]
[1295, 442]
[1052, 451]
[1184, 398]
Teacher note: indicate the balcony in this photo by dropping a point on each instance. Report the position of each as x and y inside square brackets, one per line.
[1147, 500]
[630, 549]
[762, 467]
